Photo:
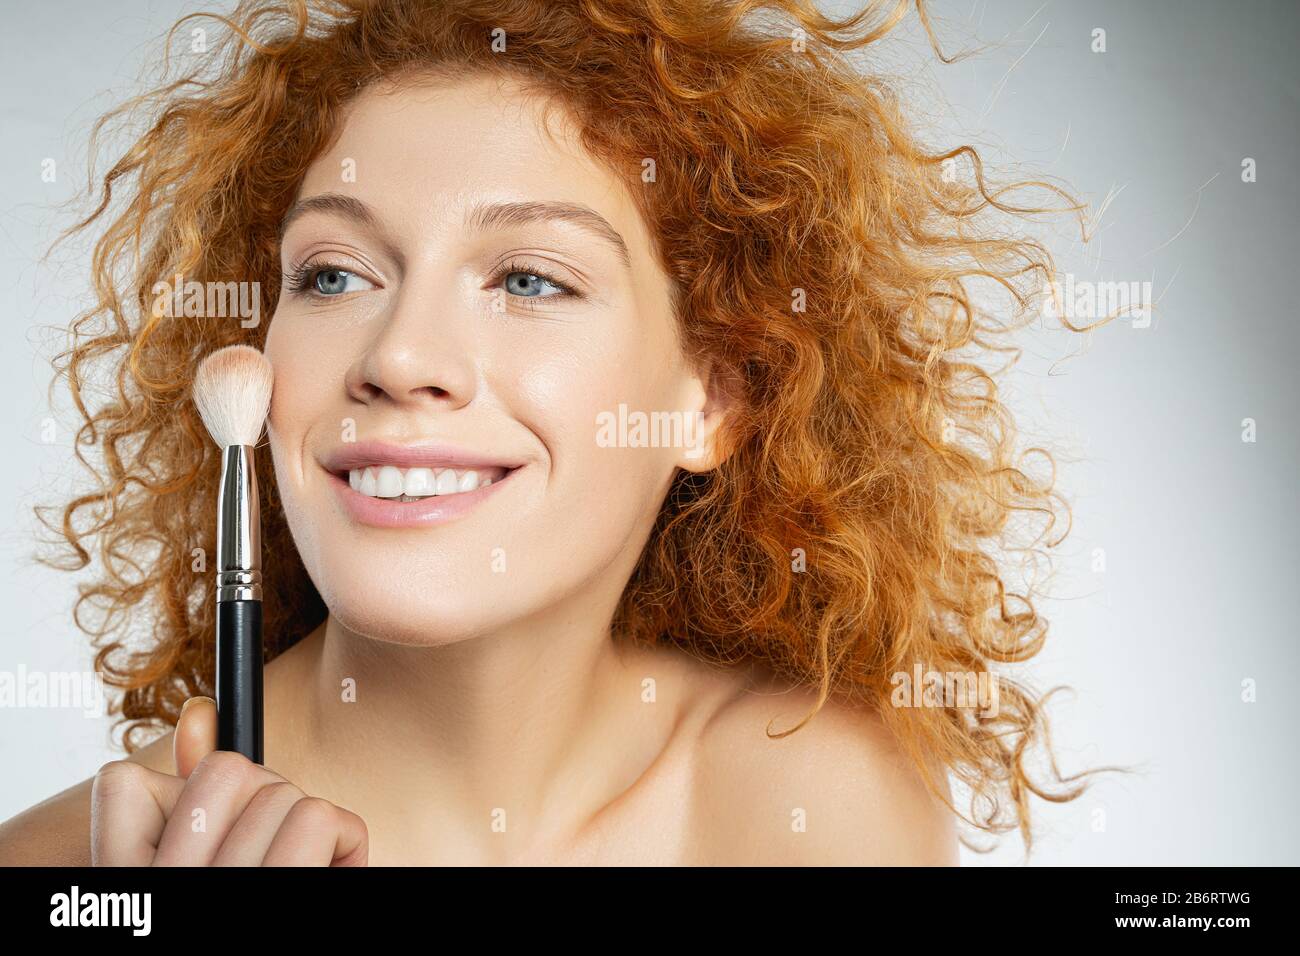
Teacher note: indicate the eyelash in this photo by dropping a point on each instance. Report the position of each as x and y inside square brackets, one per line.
[302, 279]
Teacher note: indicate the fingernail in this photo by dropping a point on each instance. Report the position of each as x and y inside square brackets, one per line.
[186, 706]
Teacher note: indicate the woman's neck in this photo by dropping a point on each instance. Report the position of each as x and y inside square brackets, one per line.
[485, 748]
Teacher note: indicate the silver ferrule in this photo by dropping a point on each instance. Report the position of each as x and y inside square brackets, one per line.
[239, 528]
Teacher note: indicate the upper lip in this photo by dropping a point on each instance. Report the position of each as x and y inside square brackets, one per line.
[419, 455]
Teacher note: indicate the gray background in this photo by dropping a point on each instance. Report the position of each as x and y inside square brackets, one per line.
[1198, 527]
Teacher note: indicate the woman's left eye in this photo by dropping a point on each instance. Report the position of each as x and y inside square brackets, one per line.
[529, 285]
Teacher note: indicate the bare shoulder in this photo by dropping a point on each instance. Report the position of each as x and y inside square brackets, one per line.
[56, 831]
[839, 791]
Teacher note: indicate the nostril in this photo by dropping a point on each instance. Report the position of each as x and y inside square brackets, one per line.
[430, 391]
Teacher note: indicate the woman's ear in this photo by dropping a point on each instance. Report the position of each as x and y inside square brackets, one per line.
[720, 401]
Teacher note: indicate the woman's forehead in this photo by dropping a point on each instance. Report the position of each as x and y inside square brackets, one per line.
[442, 155]
[435, 140]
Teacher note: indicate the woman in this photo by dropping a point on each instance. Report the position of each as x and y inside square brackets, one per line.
[498, 238]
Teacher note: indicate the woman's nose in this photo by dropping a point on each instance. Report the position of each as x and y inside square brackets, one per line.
[422, 351]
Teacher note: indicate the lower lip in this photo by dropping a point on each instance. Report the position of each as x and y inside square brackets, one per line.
[391, 513]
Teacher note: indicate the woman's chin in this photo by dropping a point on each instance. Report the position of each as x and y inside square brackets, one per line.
[418, 629]
[398, 609]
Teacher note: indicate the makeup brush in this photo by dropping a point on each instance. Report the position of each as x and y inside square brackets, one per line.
[232, 390]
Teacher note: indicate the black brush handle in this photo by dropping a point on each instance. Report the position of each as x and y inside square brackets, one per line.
[239, 678]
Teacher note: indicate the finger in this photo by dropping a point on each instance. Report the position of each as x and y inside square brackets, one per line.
[196, 734]
[249, 839]
[317, 833]
[129, 807]
[215, 795]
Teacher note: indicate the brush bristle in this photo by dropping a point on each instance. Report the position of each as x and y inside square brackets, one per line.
[232, 390]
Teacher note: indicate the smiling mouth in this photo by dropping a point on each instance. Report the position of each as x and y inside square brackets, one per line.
[394, 483]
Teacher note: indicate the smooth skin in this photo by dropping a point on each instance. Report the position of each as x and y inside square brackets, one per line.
[465, 697]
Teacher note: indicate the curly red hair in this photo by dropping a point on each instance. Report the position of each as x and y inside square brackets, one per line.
[823, 260]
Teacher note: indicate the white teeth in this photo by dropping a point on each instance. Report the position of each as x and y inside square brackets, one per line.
[388, 481]
[447, 483]
[418, 482]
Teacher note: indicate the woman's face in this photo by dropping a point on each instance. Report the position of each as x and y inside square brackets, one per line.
[453, 302]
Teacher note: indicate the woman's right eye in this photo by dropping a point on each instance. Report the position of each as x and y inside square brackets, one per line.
[328, 281]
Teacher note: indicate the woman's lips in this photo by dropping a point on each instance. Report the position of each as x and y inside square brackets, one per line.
[364, 453]
[393, 513]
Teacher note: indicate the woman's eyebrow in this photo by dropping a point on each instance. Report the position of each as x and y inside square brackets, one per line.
[336, 203]
[489, 215]
[484, 216]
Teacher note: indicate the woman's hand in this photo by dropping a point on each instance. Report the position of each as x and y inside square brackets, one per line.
[220, 810]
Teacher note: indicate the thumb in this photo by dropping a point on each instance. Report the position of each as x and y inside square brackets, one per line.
[196, 734]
